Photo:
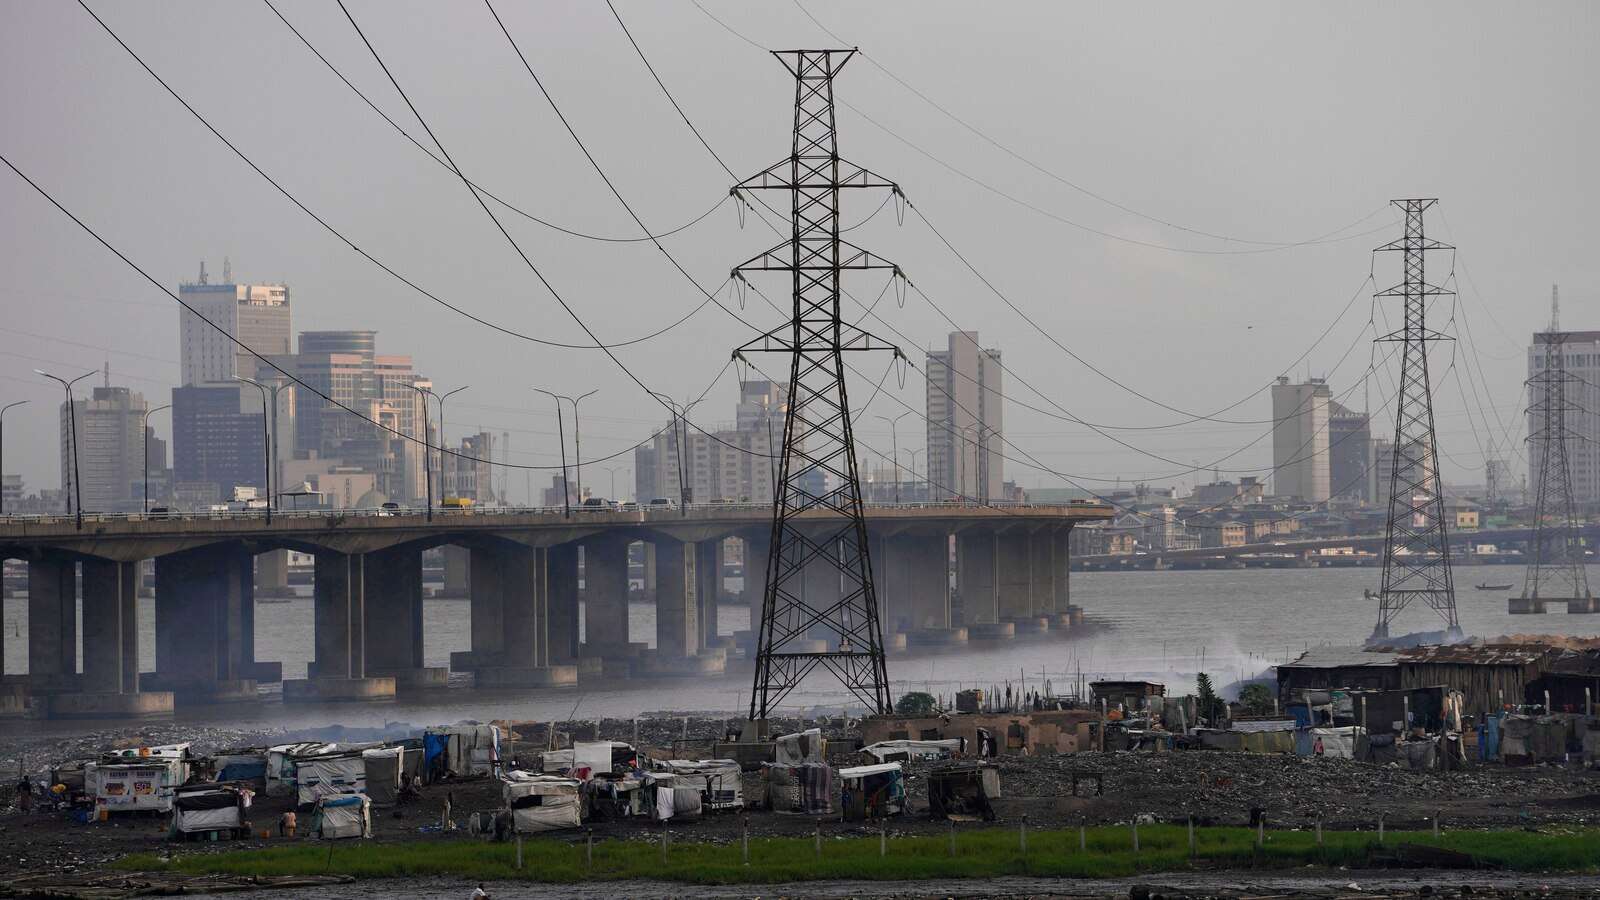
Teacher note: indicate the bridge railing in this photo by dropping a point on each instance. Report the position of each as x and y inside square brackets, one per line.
[260, 514]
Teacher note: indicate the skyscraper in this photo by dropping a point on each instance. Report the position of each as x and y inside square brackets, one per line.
[965, 421]
[1300, 439]
[1582, 349]
[216, 446]
[1349, 453]
[110, 447]
[737, 463]
[256, 315]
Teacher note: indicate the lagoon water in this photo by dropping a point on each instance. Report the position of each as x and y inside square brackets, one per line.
[1163, 625]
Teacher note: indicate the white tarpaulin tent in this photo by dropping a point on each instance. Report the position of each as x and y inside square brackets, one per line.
[1337, 743]
[319, 776]
[281, 765]
[718, 780]
[542, 802]
[871, 791]
[671, 796]
[462, 749]
[796, 749]
[209, 809]
[383, 770]
[900, 751]
[343, 816]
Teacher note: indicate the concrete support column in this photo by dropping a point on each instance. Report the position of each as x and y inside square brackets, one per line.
[205, 625]
[110, 627]
[757, 554]
[393, 633]
[605, 595]
[272, 574]
[52, 624]
[976, 561]
[928, 580]
[890, 611]
[677, 603]
[647, 568]
[1041, 562]
[1061, 577]
[562, 602]
[709, 559]
[340, 615]
[1014, 574]
[516, 597]
[457, 570]
[339, 671]
[487, 590]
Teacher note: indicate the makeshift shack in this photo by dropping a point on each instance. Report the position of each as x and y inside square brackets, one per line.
[1130, 696]
[1342, 742]
[342, 816]
[384, 771]
[603, 757]
[872, 792]
[718, 780]
[903, 751]
[542, 802]
[244, 766]
[670, 796]
[806, 788]
[203, 809]
[332, 773]
[281, 765]
[142, 780]
[963, 790]
[461, 751]
[805, 747]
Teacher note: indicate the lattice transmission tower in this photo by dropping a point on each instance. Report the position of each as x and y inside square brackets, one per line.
[1556, 556]
[817, 510]
[1416, 548]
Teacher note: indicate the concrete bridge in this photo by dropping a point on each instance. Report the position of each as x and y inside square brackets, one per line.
[525, 569]
[1308, 549]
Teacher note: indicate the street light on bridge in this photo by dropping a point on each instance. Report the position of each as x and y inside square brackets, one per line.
[146, 479]
[3, 448]
[75, 489]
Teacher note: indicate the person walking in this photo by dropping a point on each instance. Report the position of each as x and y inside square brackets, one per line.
[287, 824]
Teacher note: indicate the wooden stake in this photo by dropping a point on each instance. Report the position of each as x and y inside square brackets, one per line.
[1261, 829]
[663, 846]
[1136, 837]
[883, 837]
[1083, 839]
[817, 840]
[519, 852]
[588, 849]
[1436, 815]
[1191, 836]
[952, 837]
[744, 836]
[1380, 829]
[1024, 834]
[1319, 831]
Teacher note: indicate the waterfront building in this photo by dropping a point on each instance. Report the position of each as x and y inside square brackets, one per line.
[738, 463]
[110, 425]
[1349, 453]
[1582, 351]
[965, 420]
[256, 315]
[217, 444]
[1300, 439]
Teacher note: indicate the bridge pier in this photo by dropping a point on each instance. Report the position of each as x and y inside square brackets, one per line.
[511, 620]
[52, 624]
[976, 578]
[710, 561]
[339, 671]
[757, 558]
[561, 584]
[605, 601]
[272, 574]
[205, 625]
[821, 587]
[917, 567]
[457, 570]
[109, 687]
[682, 593]
[1061, 581]
[393, 594]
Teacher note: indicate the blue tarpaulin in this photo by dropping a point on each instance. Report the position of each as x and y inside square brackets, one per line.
[433, 747]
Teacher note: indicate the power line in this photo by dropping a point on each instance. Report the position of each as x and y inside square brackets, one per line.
[352, 244]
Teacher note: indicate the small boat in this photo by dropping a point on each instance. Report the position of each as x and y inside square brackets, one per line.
[1494, 587]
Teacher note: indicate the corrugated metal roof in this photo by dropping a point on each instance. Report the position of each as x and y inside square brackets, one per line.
[1342, 658]
[1477, 655]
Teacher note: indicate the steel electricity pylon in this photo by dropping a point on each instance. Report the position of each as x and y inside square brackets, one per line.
[1556, 556]
[817, 519]
[1416, 548]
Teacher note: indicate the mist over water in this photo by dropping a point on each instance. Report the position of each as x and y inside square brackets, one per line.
[1165, 626]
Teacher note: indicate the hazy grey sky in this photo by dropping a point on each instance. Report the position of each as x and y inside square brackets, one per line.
[1267, 121]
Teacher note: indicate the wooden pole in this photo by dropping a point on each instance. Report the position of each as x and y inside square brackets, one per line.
[883, 837]
[1023, 835]
[1436, 814]
[588, 852]
[952, 837]
[744, 836]
[817, 839]
[1380, 829]
[663, 846]
[519, 852]
[1083, 839]
[1191, 836]
[1319, 831]
[1261, 829]
[1135, 837]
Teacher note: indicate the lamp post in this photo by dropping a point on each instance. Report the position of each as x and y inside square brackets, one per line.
[680, 419]
[444, 442]
[612, 471]
[894, 432]
[427, 469]
[3, 449]
[75, 489]
[266, 439]
[146, 479]
[914, 464]
[561, 437]
[270, 423]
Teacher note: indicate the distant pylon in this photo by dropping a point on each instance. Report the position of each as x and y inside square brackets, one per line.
[817, 516]
[1556, 556]
[1416, 549]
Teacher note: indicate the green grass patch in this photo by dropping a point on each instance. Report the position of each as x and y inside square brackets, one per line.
[980, 853]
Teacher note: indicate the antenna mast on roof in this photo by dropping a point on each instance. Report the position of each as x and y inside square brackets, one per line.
[203, 272]
[227, 271]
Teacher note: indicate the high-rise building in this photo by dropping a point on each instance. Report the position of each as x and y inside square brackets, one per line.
[965, 421]
[728, 464]
[469, 474]
[256, 315]
[110, 447]
[1582, 349]
[216, 445]
[1349, 453]
[1300, 439]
